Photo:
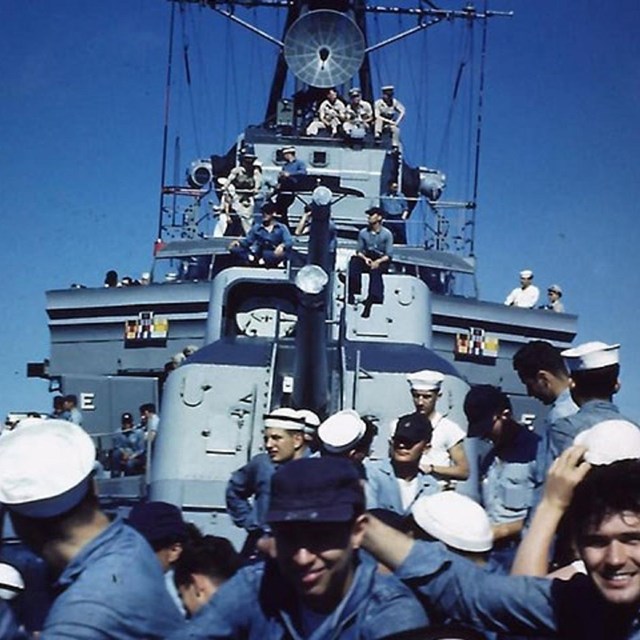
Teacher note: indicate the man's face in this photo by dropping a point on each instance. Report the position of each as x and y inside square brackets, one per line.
[289, 156]
[332, 95]
[524, 282]
[144, 417]
[374, 219]
[281, 444]
[538, 388]
[317, 559]
[553, 296]
[127, 425]
[404, 452]
[425, 401]
[611, 553]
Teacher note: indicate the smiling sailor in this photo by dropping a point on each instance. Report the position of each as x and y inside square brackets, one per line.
[110, 583]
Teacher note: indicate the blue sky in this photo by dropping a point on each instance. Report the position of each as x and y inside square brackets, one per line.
[82, 113]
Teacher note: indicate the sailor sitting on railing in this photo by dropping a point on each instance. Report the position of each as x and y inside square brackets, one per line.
[358, 115]
[389, 111]
[129, 449]
[331, 115]
[268, 243]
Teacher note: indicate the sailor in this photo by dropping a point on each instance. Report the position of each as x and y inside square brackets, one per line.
[396, 212]
[110, 583]
[73, 414]
[348, 435]
[249, 487]
[129, 449]
[445, 459]
[319, 585]
[243, 183]
[203, 567]
[149, 420]
[458, 521]
[358, 115]
[331, 115]
[508, 471]
[602, 603]
[554, 293]
[395, 484]
[373, 256]
[288, 181]
[594, 368]
[389, 112]
[268, 243]
[526, 295]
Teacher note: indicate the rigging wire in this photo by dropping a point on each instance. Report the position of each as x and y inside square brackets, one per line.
[190, 91]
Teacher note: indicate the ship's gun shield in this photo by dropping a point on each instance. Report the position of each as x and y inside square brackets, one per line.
[324, 48]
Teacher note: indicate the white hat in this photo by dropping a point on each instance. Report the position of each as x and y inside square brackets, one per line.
[556, 288]
[310, 419]
[289, 149]
[526, 273]
[454, 519]
[591, 355]
[387, 87]
[341, 431]
[425, 380]
[284, 418]
[11, 582]
[45, 467]
[610, 441]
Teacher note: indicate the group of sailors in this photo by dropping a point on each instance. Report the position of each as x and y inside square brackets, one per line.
[342, 546]
[527, 295]
[357, 117]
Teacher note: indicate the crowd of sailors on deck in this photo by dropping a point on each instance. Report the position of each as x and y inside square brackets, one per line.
[340, 545]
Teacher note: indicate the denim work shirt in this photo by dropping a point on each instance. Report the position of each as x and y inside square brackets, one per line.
[132, 441]
[452, 586]
[267, 239]
[258, 604]
[251, 481]
[114, 588]
[393, 204]
[382, 490]
[510, 477]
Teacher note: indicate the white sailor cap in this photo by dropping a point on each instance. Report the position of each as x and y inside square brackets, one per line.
[310, 419]
[556, 288]
[45, 467]
[289, 149]
[354, 91]
[454, 519]
[284, 418]
[341, 431]
[425, 380]
[11, 582]
[526, 273]
[610, 441]
[591, 355]
[387, 88]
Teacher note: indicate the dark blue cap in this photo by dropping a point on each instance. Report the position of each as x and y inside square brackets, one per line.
[158, 521]
[324, 489]
[412, 428]
[481, 405]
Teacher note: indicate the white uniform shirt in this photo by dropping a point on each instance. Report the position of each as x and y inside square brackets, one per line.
[446, 434]
[526, 298]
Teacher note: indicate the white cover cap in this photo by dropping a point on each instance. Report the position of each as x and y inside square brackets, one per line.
[454, 519]
[610, 441]
[11, 582]
[311, 420]
[526, 273]
[591, 355]
[45, 467]
[284, 418]
[425, 380]
[341, 431]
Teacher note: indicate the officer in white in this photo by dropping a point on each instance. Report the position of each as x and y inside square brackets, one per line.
[445, 458]
[110, 583]
[526, 295]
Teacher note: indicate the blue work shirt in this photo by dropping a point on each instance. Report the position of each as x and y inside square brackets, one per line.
[8, 627]
[393, 204]
[563, 431]
[132, 441]
[113, 588]
[267, 238]
[509, 478]
[454, 587]
[382, 490]
[258, 604]
[294, 168]
[251, 481]
[380, 243]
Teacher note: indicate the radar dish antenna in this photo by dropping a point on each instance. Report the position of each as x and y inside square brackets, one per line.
[324, 48]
